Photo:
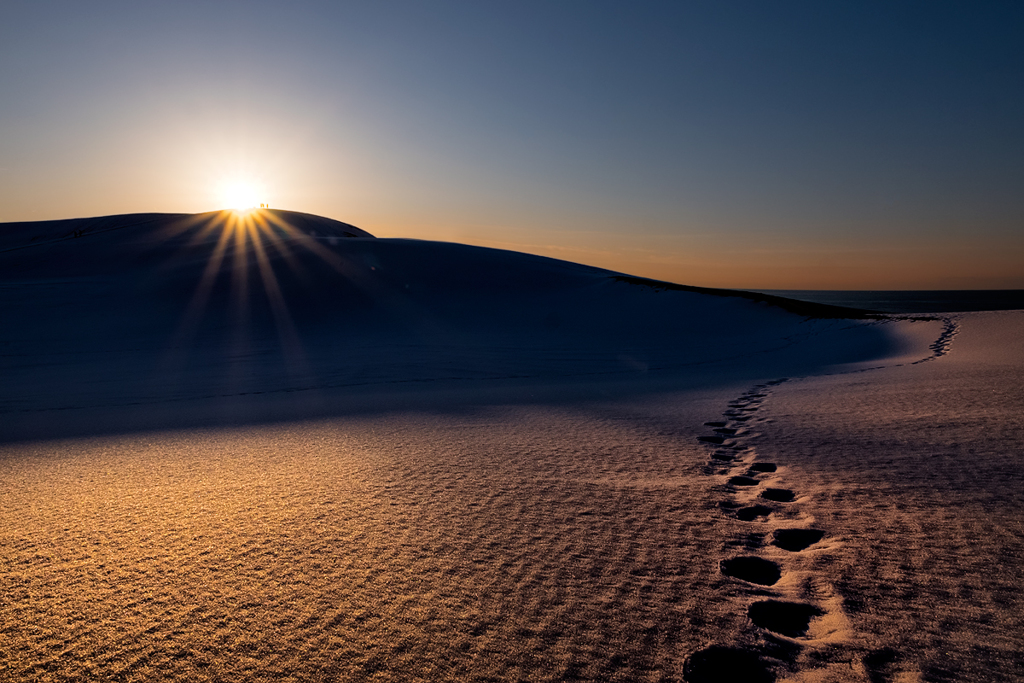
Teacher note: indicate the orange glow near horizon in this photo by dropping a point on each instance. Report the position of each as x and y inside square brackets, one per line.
[707, 258]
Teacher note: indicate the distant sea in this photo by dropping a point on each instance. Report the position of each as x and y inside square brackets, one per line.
[921, 301]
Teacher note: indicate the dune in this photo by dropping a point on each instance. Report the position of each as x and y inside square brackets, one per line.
[280, 448]
[163, 320]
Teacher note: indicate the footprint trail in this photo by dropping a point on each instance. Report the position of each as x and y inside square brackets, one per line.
[782, 613]
[795, 618]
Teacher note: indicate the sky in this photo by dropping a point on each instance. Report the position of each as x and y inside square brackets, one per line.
[779, 145]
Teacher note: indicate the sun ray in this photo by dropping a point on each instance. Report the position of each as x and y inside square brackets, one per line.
[240, 269]
[279, 234]
[243, 247]
[201, 295]
[278, 305]
[317, 249]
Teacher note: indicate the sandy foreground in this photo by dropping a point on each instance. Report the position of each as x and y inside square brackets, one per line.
[914, 473]
[486, 467]
[541, 542]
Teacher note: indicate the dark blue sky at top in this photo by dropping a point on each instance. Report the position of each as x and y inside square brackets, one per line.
[807, 120]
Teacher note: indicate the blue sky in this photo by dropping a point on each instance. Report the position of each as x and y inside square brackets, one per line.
[748, 144]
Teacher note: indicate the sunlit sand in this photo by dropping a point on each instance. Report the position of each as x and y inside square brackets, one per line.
[283, 449]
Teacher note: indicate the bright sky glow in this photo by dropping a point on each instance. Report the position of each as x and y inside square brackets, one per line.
[867, 145]
[241, 196]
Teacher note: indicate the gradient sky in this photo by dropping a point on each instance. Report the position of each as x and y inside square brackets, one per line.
[810, 145]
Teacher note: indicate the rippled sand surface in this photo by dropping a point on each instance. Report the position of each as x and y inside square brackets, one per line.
[860, 526]
[517, 544]
[914, 474]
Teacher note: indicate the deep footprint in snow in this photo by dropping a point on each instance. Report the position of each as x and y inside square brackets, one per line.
[743, 481]
[753, 569]
[763, 467]
[778, 495]
[720, 663]
[795, 540]
[749, 514]
[785, 618]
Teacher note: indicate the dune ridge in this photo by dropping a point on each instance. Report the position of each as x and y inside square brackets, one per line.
[25, 234]
[167, 310]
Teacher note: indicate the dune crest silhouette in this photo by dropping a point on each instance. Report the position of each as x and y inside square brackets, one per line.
[174, 310]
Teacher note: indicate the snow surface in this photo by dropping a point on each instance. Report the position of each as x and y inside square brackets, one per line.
[150, 321]
[365, 459]
[914, 472]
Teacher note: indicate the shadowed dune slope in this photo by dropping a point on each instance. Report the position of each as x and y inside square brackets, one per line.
[150, 320]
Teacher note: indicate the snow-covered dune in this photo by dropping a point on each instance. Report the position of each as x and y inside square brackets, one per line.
[314, 315]
[279, 447]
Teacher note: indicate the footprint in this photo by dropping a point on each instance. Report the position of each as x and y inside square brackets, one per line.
[749, 514]
[715, 424]
[778, 495]
[753, 569]
[763, 467]
[718, 455]
[717, 440]
[743, 481]
[785, 618]
[721, 663]
[726, 431]
[796, 539]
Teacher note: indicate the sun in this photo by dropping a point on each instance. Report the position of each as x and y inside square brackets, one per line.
[241, 196]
